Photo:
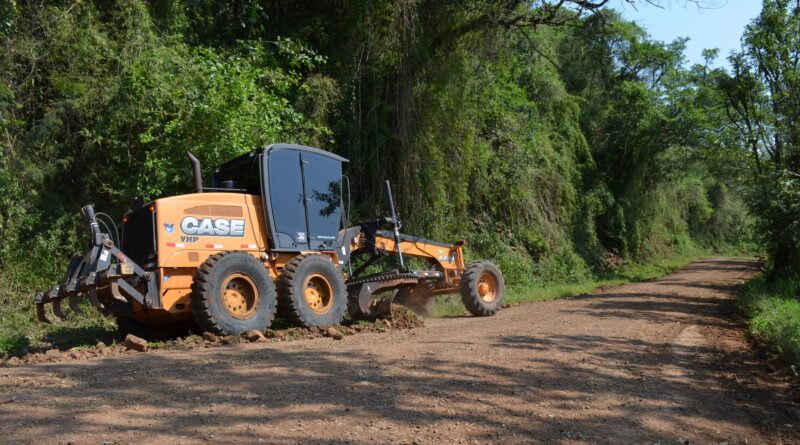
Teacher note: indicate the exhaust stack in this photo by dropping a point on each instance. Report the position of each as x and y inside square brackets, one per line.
[198, 175]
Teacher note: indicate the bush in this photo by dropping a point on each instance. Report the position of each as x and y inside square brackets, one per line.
[772, 310]
[14, 344]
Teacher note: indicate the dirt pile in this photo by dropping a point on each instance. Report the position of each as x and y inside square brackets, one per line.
[401, 318]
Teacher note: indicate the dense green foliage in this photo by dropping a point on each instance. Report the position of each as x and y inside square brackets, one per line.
[762, 104]
[761, 100]
[560, 147]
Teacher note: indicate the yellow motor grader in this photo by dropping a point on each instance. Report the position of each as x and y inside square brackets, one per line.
[268, 236]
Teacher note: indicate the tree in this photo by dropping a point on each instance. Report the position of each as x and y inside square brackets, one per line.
[763, 98]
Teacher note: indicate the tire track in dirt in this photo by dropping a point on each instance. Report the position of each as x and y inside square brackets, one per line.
[653, 362]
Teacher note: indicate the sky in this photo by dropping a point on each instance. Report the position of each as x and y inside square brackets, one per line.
[720, 26]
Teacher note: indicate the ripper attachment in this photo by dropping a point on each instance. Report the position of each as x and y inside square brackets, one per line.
[103, 274]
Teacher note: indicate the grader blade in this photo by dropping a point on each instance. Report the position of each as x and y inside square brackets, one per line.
[362, 290]
[383, 308]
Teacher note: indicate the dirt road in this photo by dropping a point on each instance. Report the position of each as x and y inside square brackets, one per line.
[654, 362]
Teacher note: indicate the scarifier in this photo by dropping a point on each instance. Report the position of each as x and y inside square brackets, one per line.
[268, 236]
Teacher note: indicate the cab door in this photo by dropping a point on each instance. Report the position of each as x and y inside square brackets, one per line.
[304, 199]
[286, 205]
[323, 185]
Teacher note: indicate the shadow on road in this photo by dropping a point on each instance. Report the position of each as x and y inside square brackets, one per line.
[566, 387]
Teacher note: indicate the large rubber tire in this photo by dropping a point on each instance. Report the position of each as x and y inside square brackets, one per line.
[245, 278]
[482, 288]
[312, 292]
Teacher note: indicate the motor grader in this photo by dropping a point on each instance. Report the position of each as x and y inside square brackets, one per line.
[267, 236]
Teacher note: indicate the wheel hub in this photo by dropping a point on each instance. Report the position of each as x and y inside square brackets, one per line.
[318, 293]
[239, 296]
[487, 287]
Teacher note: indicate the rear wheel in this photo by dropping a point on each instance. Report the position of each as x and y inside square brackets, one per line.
[233, 293]
[482, 288]
[312, 292]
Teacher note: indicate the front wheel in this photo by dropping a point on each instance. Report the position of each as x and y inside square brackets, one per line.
[482, 288]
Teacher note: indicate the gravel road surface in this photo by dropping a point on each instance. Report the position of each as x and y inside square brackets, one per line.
[658, 362]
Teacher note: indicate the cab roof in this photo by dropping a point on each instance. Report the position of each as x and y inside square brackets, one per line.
[245, 161]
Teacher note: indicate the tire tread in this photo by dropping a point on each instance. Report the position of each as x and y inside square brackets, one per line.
[289, 305]
[201, 287]
[469, 289]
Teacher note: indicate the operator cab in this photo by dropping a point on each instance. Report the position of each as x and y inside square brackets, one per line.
[301, 188]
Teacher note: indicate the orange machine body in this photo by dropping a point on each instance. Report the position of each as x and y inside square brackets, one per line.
[190, 228]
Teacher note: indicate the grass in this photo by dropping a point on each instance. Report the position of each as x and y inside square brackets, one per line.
[451, 305]
[772, 311]
[13, 344]
[21, 333]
